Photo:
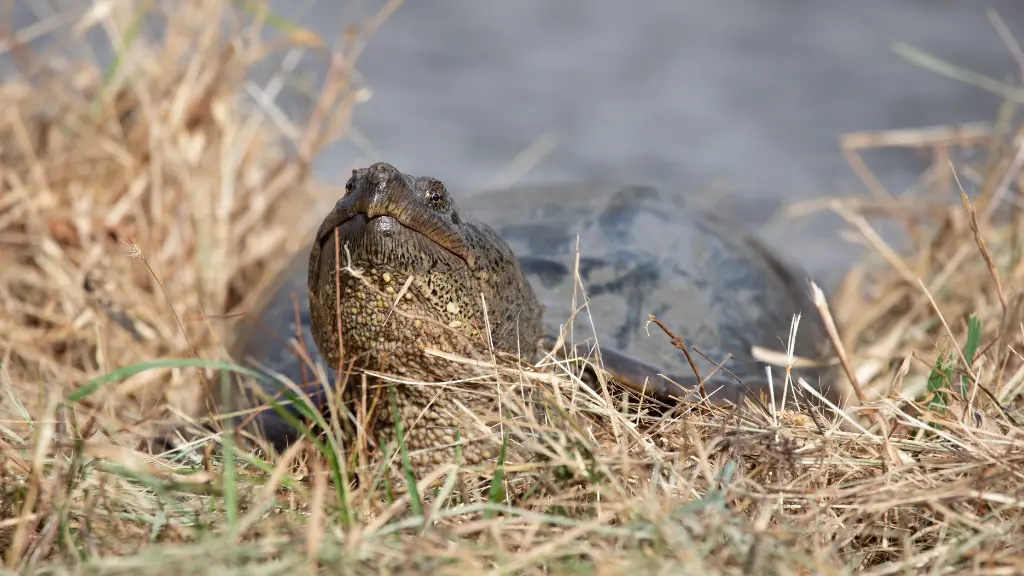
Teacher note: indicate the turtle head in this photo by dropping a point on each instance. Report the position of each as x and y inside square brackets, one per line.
[396, 268]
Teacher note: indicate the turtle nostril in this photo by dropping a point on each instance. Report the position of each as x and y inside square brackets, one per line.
[383, 170]
[383, 175]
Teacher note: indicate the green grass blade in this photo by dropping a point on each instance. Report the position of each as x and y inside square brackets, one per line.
[938, 379]
[937, 65]
[121, 373]
[276, 21]
[131, 34]
[410, 478]
[496, 493]
[230, 493]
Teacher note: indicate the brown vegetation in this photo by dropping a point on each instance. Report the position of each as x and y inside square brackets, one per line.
[141, 210]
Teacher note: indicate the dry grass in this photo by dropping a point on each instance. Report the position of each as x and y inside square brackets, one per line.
[139, 211]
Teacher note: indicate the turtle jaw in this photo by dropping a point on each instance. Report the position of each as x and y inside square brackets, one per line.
[376, 244]
[382, 239]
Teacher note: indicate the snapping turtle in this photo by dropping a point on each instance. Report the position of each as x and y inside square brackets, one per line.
[416, 269]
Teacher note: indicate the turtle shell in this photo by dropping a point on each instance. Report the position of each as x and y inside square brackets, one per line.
[642, 251]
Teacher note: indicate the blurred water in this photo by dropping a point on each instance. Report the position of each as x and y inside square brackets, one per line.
[743, 97]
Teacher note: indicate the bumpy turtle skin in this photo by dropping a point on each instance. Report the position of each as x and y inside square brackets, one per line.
[640, 251]
[390, 228]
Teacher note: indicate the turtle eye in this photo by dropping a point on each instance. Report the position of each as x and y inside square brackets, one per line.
[349, 185]
[433, 193]
[434, 196]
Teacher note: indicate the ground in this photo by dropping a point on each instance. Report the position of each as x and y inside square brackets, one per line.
[143, 208]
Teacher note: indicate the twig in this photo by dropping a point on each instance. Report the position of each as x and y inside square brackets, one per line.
[678, 343]
[989, 263]
[833, 334]
[876, 242]
[968, 134]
